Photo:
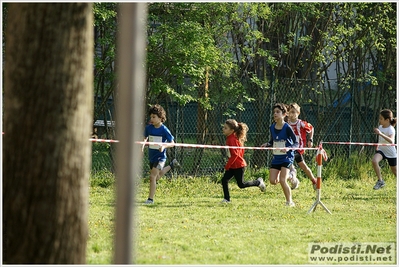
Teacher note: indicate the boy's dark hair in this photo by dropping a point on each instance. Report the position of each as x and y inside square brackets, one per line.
[281, 106]
[284, 108]
[159, 111]
[388, 114]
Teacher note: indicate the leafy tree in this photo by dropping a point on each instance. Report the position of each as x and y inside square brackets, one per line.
[317, 54]
[183, 57]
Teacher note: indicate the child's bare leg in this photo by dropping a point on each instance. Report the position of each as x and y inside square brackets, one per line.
[375, 161]
[274, 176]
[283, 181]
[307, 171]
[163, 172]
[154, 174]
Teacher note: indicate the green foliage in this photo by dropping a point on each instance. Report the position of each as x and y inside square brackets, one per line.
[105, 32]
[201, 52]
[354, 167]
[100, 159]
[364, 28]
[104, 12]
[181, 52]
[103, 179]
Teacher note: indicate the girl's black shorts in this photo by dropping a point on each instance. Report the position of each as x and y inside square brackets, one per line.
[391, 161]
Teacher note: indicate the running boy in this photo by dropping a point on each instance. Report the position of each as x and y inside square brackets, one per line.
[156, 131]
[386, 135]
[236, 135]
[301, 129]
[282, 139]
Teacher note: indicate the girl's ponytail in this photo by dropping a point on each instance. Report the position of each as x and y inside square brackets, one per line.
[241, 132]
[240, 129]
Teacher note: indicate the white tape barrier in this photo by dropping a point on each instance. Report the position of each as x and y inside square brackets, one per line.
[217, 146]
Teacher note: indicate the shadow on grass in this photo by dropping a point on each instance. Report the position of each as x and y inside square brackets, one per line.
[196, 203]
[367, 197]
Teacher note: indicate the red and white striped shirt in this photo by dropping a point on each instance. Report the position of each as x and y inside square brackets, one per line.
[301, 128]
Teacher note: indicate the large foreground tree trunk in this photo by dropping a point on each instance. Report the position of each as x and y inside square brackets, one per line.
[47, 124]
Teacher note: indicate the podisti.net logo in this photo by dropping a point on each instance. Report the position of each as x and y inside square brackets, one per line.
[347, 253]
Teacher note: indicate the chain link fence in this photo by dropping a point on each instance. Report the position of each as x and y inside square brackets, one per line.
[337, 115]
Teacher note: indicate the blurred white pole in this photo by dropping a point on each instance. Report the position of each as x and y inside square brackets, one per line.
[131, 55]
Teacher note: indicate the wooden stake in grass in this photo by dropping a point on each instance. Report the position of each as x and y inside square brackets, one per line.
[319, 160]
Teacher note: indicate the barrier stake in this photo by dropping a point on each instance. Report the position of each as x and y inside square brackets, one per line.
[319, 160]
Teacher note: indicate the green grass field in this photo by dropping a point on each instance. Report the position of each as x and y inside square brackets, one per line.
[188, 224]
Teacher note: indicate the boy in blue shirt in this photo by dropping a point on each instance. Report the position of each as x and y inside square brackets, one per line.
[156, 131]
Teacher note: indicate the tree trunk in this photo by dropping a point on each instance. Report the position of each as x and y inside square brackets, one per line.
[48, 106]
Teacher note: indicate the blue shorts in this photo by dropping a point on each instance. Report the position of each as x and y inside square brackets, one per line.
[391, 161]
[279, 166]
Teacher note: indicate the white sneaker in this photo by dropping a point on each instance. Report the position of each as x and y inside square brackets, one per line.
[261, 185]
[149, 201]
[225, 201]
[290, 204]
[294, 183]
[292, 179]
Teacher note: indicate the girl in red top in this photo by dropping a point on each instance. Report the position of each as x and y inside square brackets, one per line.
[236, 134]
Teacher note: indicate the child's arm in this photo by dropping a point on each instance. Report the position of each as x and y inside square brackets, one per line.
[233, 154]
[310, 140]
[268, 144]
[292, 135]
[142, 148]
[166, 145]
[309, 132]
[232, 158]
[388, 138]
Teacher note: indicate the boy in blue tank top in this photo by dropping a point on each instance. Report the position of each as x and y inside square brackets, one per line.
[282, 139]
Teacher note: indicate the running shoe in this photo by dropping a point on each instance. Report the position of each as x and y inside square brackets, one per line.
[379, 184]
[174, 164]
[261, 185]
[290, 204]
[149, 202]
